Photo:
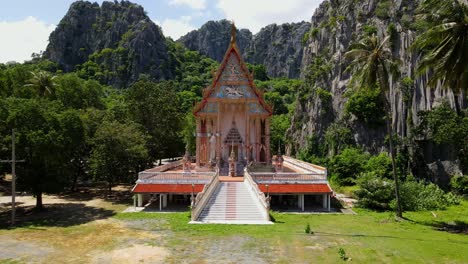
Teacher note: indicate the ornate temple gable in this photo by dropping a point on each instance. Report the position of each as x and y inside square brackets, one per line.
[232, 80]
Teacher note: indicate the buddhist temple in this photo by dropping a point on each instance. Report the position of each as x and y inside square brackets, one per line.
[233, 177]
[232, 117]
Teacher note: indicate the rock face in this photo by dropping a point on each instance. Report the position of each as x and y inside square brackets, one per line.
[277, 47]
[213, 38]
[334, 26]
[120, 35]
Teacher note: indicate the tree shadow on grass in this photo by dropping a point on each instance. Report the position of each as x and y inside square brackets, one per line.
[273, 219]
[121, 195]
[456, 226]
[56, 215]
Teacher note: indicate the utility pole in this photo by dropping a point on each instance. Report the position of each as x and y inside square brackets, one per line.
[13, 162]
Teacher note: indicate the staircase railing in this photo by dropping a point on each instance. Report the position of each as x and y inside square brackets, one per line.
[263, 200]
[202, 197]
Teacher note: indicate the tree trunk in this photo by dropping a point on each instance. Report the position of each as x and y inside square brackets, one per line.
[109, 188]
[395, 176]
[389, 123]
[39, 205]
[75, 180]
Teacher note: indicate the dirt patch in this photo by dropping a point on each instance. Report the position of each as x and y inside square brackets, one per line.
[20, 250]
[236, 249]
[133, 254]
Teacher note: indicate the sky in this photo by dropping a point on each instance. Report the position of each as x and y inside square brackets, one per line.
[25, 25]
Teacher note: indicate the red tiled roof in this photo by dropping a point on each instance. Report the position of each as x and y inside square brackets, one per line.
[296, 188]
[167, 188]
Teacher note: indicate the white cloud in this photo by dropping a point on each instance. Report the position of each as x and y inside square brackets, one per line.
[256, 14]
[175, 28]
[21, 38]
[194, 4]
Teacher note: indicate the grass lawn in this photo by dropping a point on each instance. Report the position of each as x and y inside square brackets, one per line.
[368, 237]
[346, 190]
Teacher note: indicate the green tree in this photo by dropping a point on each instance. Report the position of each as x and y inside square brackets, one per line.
[371, 60]
[77, 93]
[346, 166]
[278, 127]
[259, 70]
[445, 43]
[44, 134]
[446, 127]
[43, 83]
[156, 107]
[119, 151]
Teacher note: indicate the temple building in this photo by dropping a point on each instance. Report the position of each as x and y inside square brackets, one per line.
[233, 178]
[232, 117]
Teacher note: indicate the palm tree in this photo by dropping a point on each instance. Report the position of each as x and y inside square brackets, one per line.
[371, 60]
[445, 44]
[42, 82]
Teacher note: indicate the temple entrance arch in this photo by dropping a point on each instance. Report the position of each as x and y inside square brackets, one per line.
[233, 142]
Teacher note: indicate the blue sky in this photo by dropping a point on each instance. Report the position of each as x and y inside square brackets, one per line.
[26, 24]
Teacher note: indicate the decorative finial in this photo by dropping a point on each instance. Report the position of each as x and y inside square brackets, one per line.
[233, 32]
[232, 151]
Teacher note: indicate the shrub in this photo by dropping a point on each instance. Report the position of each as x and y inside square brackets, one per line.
[383, 9]
[393, 33]
[346, 166]
[380, 165]
[342, 254]
[305, 38]
[417, 196]
[378, 193]
[374, 192]
[366, 106]
[459, 184]
[369, 30]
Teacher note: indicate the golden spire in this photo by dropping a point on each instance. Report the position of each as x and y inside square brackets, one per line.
[233, 32]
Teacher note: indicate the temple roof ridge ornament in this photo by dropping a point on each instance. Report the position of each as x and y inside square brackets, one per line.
[233, 33]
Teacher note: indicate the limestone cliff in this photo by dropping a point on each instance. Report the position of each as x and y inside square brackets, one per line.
[124, 41]
[334, 26]
[213, 38]
[277, 47]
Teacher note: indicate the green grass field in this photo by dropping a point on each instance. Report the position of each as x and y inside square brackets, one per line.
[368, 237]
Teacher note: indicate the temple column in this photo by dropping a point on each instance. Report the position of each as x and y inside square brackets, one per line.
[209, 130]
[247, 138]
[198, 141]
[140, 200]
[267, 140]
[258, 138]
[218, 136]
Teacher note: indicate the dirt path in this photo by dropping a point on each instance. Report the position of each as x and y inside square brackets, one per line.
[76, 228]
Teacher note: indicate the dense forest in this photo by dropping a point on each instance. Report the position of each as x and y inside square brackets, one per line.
[111, 96]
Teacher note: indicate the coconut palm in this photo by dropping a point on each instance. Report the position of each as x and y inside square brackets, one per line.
[445, 44]
[42, 82]
[371, 61]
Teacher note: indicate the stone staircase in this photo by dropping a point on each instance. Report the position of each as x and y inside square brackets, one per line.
[232, 203]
